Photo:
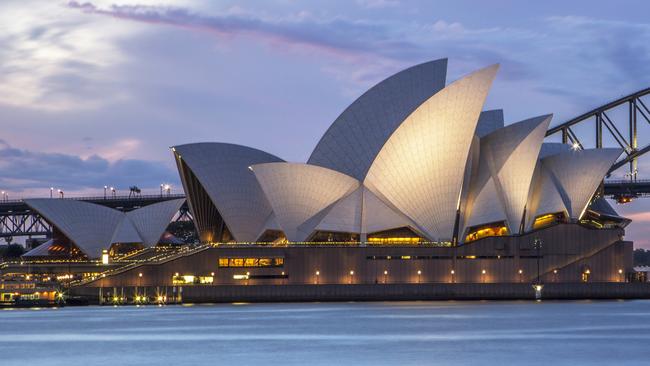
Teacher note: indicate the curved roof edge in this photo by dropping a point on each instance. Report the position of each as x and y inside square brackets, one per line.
[89, 226]
[222, 171]
[151, 221]
[434, 138]
[353, 140]
[301, 195]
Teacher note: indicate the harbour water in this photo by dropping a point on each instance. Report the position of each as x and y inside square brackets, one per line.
[399, 333]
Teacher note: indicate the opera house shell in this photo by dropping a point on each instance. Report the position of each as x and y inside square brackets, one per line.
[414, 183]
[412, 160]
[85, 230]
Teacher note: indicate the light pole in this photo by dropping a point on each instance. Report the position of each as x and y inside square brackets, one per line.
[113, 192]
[419, 275]
[60, 193]
[317, 276]
[452, 275]
[483, 276]
[537, 244]
[161, 189]
[620, 275]
[105, 187]
[521, 272]
[385, 276]
[351, 274]
[51, 191]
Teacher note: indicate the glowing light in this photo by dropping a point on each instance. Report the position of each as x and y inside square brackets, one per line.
[575, 146]
[521, 271]
[351, 273]
[385, 272]
[483, 272]
[452, 271]
[620, 271]
[317, 273]
[140, 274]
[419, 272]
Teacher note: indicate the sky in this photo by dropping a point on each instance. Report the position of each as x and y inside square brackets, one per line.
[95, 93]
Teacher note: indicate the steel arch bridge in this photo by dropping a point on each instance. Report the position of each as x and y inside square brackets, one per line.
[637, 109]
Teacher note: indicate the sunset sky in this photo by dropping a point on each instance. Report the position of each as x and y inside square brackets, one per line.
[94, 93]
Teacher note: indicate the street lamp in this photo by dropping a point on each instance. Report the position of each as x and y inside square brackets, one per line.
[385, 276]
[51, 191]
[60, 193]
[452, 275]
[419, 275]
[168, 189]
[620, 275]
[351, 274]
[483, 272]
[521, 272]
[537, 244]
[317, 276]
[161, 189]
[105, 188]
[113, 192]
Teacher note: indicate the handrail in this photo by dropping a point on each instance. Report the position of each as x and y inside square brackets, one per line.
[107, 198]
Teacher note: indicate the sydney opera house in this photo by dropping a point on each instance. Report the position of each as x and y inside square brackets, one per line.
[413, 183]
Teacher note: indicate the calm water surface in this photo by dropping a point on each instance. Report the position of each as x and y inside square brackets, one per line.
[404, 333]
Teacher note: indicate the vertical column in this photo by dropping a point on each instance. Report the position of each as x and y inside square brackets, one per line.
[633, 140]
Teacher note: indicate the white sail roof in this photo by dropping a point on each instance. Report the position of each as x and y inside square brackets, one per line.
[356, 136]
[93, 228]
[301, 195]
[345, 214]
[577, 174]
[421, 167]
[222, 170]
[151, 221]
[507, 162]
[89, 226]
[125, 232]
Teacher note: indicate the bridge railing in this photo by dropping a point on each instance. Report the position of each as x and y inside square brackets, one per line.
[106, 198]
[627, 181]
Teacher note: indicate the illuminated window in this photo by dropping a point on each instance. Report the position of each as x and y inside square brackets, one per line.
[184, 280]
[206, 279]
[484, 231]
[399, 236]
[250, 262]
[548, 220]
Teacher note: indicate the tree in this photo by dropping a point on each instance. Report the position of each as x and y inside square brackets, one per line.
[12, 251]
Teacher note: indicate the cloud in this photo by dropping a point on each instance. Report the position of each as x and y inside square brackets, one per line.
[378, 3]
[26, 172]
[56, 62]
[336, 35]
